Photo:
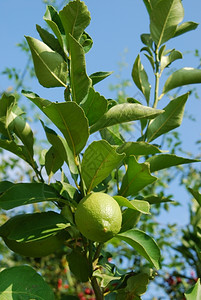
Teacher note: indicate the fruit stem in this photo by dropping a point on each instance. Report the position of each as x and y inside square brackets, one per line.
[97, 253]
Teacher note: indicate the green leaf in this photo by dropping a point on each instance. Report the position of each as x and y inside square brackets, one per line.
[122, 113]
[136, 178]
[194, 293]
[27, 193]
[140, 78]
[185, 27]
[33, 227]
[170, 119]
[50, 67]
[7, 104]
[138, 148]
[86, 42]
[163, 161]
[149, 5]
[166, 60]
[139, 205]
[53, 161]
[52, 18]
[196, 195]
[164, 18]
[94, 106]
[23, 282]
[60, 144]
[130, 218]
[75, 18]
[99, 160]
[137, 284]
[182, 77]
[71, 121]
[99, 76]
[112, 135]
[79, 266]
[37, 100]
[155, 199]
[20, 151]
[5, 185]
[143, 244]
[146, 39]
[80, 82]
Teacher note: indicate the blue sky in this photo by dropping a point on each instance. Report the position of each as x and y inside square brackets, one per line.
[115, 26]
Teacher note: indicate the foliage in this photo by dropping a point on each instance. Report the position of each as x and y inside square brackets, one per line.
[59, 61]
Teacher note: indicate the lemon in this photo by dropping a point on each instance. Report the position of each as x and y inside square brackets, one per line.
[98, 217]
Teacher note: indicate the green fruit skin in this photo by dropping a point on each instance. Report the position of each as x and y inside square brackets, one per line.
[37, 248]
[95, 229]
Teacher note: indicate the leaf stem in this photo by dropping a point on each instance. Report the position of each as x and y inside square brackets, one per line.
[157, 76]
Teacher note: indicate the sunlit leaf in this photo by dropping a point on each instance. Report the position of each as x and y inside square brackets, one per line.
[99, 76]
[185, 27]
[194, 293]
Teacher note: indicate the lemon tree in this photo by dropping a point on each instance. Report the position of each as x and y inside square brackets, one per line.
[89, 209]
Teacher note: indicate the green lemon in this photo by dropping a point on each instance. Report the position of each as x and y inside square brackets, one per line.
[37, 248]
[98, 217]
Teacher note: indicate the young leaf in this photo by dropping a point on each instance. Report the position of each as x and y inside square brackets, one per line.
[138, 148]
[24, 282]
[75, 18]
[99, 76]
[136, 178]
[163, 161]
[86, 42]
[71, 121]
[164, 18]
[170, 119]
[194, 293]
[167, 60]
[94, 106]
[99, 160]
[182, 77]
[80, 82]
[27, 193]
[140, 78]
[50, 67]
[122, 113]
[185, 27]
[143, 244]
[53, 161]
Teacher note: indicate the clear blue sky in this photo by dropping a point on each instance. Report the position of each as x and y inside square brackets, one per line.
[116, 25]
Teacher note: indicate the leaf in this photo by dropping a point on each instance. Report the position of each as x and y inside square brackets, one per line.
[170, 119]
[146, 39]
[130, 218]
[99, 76]
[50, 67]
[112, 135]
[38, 226]
[163, 161]
[138, 148]
[71, 121]
[99, 160]
[86, 42]
[52, 18]
[7, 104]
[79, 265]
[137, 284]
[140, 78]
[20, 151]
[25, 283]
[75, 17]
[5, 185]
[155, 199]
[194, 293]
[36, 99]
[122, 113]
[53, 161]
[80, 82]
[196, 195]
[94, 106]
[139, 205]
[167, 60]
[27, 193]
[143, 244]
[164, 18]
[182, 77]
[185, 27]
[136, 178]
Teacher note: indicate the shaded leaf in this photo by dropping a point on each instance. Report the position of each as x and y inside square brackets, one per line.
[155, 199]
[99, 76]
[136, 178]
[5, 185]
[122, 113]
[112, 135]
[138, 148]
[99, 160]
[20, 151]
[50, 67]
[140, 78]
[163, 161]
[185, 27]
[24, 282]
[80, 82]
[79, 266]
[130, 218]
[164, 18]
[53, 161]
[146, 39]
[137, 284]
[170, 119]
[143, 244]
[27, 193]
[182, 77]
[94, 106]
